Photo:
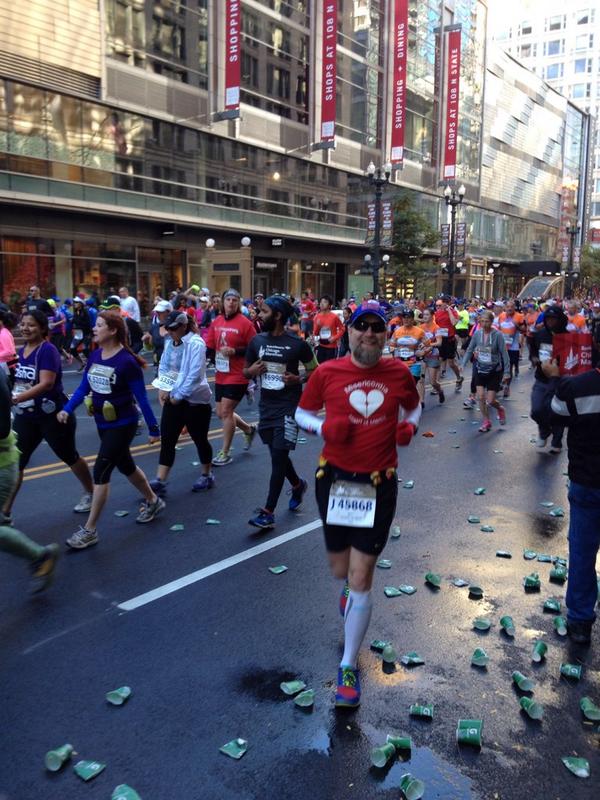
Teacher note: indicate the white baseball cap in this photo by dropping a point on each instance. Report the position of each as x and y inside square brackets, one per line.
[162, 305]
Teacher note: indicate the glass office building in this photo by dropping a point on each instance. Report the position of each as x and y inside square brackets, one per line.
[117, 163]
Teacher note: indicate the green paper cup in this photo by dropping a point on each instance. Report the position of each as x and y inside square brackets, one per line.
[571, 671]
[590, 710]
[532, 582]
[578, 766]
[558, 575]
[469, 732]
[389, 654]
[411, 788]
[235, 748]
[381, 755]
[118, 696]
[560, 625]
[476, 592]
[305, 699]
[87, 770]
[482, 624]
[532, 709]
[124, 792]
[55, 759]
[540, 649]
[433, 579]
[552, 606]
[421, 710]
[508, 626]
[292, 687]
[525, 684]
[404, 742]
[379, 645]
[412, 659]
[480, 658]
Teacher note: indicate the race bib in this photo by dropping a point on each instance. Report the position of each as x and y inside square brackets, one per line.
[273, 378]
[77, 335]
[20, 388]
[442, 331]
[221, 363]
[165, 380]
[100, 378]
[484, 354]
[351, 504]
[325, 334]
[545, 351]
[508, 337]
[406, 352]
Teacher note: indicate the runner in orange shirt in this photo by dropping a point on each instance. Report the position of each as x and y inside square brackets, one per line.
[576, 321]
[432, 355]
[511, 325]
[409, 344]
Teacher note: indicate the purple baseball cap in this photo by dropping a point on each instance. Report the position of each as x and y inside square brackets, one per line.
[369, 307]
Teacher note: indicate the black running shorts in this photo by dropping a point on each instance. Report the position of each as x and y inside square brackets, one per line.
[230, 391]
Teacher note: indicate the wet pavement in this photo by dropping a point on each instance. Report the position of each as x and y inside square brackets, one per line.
[205, 662]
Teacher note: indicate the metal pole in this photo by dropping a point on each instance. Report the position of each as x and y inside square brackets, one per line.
[569, 282]
[451, 249]
[377, 237]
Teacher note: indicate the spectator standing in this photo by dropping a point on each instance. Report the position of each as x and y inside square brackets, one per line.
[129, 304]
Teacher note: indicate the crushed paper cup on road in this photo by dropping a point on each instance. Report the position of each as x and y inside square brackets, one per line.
[487, 528]
[560, 625]
[395, 532]
[381, 755]
[539, 651]
[121, 513]
[507, 624]
[498, 451]
[384, 563]
[213, 521]
[124, 792]
[460, 582]
[503, 554]
[469, 731]
[452, 431]
[278, 570]
[433, 579]
[399, 742]
[482, 624]
[292, 687]
[547, 504]
[529, 555]
[428, 434]
[408, 485]
[473, 520]
[571, 671]
[480, 490]
[87, 770]
[589, 708]
[405, 588]
[578, 766]
[524, 683]
[557, 512]
[412, 659]
[558, 575]
[389, 654]
[531, 708]
[305, 699]
[475, 591]
[55, 759]
[425, 710]
[411, 788]
[235, 748]
[544, 558]
[379, 645]
[392, 591]
[177, 528]
[532, 582]
[552, 606]
[480, 658]
[118, 696]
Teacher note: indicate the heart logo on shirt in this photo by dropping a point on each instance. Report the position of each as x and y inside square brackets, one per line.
[366, 404]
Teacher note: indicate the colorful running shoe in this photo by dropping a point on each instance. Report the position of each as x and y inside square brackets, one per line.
[222, 459]
[82, 538]
[441, 396]
[486, 426]
[470, 402]
[459, 383]
[347, 694]
[150, 510]
[43, 569]
[249, 438]
[158, 487]
[344, 598]
[501, 415]
[204, 482]
[84, 505]
[297, 495]
[263, 519]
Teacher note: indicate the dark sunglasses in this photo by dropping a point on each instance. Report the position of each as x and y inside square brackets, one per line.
[362, 325]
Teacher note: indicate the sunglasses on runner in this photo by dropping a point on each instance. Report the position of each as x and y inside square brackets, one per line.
[363, 325]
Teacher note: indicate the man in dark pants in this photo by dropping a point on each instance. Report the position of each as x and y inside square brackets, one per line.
[575, 403]
[274, 355]
[555, 321]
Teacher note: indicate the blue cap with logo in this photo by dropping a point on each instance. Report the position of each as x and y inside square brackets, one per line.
[368, 307]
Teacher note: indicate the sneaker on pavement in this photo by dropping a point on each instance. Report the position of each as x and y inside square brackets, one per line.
[204, 482]
[6, 519]
[502, 415]
[433, 392]
[263, 519]
[82, 538]
[442, 396]
[344, 598]
[541, 442]
[249, 437]
[459, 383]
[43, 569]
[506, 392]
[486, 426]
[580, 631]
[556, 448]
[84, 505]
[297, 495]
[158, 487]
[470, 402]
[150, 510]
[222, 459]
[347, 694]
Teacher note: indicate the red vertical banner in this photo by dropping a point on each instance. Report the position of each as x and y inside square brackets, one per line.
[329, 71]
[452, 100]
[399, 39]
[233, 54]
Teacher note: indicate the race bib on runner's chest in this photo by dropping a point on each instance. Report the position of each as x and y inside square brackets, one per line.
[545, 351]
[272, 379]
[325, 334]
[100, 378]
[351, 504]
[165, 380]
[221, 363]
[484, 354]
[18, 389]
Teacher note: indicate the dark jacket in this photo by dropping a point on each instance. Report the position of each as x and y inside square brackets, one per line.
[544, 337]
[576, 404]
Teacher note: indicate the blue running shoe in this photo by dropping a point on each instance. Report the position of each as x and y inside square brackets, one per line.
[297, 495]
[263, 519]
[347, 694]
[204, 482]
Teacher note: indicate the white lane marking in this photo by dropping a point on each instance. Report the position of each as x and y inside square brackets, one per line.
[212, 569]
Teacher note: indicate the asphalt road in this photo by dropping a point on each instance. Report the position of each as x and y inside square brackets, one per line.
[204, 658]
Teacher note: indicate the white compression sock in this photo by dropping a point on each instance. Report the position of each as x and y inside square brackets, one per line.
[356, 622]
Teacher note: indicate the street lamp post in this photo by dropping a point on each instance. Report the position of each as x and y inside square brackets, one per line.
[453, 198]
[572, 232]
[378, 177]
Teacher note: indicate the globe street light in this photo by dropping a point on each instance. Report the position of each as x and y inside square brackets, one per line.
[378, 177]
[453, 198]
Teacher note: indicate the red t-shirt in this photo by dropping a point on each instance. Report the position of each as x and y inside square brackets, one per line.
[370, 399]
[235, 332]
[442, 318]
[329, 327]
[307, 309]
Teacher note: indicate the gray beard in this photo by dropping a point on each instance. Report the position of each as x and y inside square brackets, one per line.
[367, 357]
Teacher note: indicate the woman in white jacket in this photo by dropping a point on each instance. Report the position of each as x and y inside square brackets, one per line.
[185, 396]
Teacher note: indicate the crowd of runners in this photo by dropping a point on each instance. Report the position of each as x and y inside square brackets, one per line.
[368, 365]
